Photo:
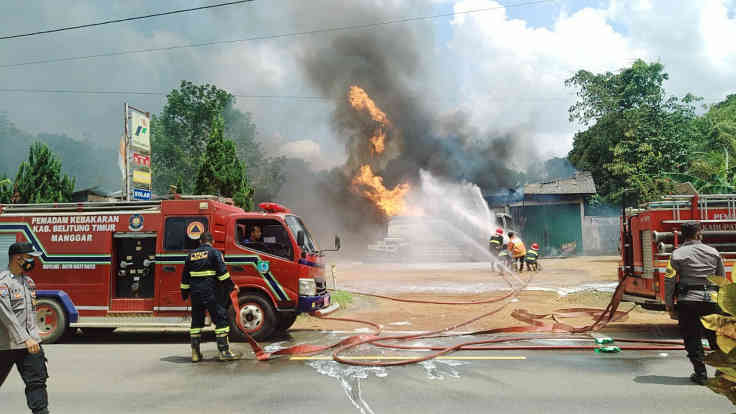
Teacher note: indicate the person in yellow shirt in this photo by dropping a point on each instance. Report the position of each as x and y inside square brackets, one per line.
[517, 250]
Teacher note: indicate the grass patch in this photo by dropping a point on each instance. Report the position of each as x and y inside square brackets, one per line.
[341, 297]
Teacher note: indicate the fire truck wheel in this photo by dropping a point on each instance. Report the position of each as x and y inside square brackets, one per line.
[258, 316]
[286, 319]
[51, 320]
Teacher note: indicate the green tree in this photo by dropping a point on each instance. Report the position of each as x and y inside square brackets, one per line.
[179, 138]
[265, 173]
[6, 189]
[220, 170]
[40, 178]
[634, 131]
[179, 135]
[711, 167]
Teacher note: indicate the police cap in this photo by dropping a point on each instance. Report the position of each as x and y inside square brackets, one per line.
[22, 248]
[690, 229]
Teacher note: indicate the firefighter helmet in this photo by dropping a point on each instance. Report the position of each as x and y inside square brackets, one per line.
[499, 231]
[535, 246]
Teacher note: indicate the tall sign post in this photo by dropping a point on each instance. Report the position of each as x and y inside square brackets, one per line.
[137, 175]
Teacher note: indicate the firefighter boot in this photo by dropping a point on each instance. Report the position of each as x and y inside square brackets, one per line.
[196, 353]
[223, 345]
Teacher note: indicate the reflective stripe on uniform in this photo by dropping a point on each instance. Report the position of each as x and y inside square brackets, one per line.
[195, 332]
[224, 277]
[222, 331]
[670, 272]
[203, 273]
[184, 286]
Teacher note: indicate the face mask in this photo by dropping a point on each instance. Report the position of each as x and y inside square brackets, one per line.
[28, 264]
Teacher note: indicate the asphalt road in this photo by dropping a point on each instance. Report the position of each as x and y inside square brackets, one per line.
[151, 373]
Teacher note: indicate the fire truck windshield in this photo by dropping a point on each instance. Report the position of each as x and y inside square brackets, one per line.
[295, 225]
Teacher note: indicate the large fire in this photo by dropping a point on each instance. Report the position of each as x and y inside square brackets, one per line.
[390, 202]
[360, 100]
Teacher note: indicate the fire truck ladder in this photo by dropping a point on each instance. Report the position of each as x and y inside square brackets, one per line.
[79, 207]
[705, 204]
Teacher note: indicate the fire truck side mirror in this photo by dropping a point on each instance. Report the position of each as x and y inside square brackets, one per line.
[300, 238]
[337, 242]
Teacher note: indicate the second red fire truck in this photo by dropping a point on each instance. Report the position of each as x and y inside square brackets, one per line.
[118, 264]
[649, 234]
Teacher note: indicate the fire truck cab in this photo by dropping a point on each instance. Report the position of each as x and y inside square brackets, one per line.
[650, 234]
[110, 265]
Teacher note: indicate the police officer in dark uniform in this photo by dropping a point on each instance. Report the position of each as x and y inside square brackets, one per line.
[20, 339]
[687, 281]
[206, 279]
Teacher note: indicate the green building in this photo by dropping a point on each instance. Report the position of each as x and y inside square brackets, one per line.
[552, 214]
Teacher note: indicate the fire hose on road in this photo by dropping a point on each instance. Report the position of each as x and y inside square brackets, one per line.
[544, 323]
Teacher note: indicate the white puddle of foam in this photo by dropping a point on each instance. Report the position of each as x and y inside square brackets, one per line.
[350, 378]
[563, 291]
[276, 346]
[441, 369]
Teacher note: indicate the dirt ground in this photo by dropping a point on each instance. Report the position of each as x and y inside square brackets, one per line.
[562, 283]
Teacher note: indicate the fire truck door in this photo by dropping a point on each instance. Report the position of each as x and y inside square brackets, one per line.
[135, 273]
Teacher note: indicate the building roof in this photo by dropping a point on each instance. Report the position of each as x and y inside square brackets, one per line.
[581, 183]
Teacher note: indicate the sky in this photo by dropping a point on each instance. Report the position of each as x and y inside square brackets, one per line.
[501, 64]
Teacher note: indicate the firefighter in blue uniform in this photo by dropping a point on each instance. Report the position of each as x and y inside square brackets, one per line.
[206, 280]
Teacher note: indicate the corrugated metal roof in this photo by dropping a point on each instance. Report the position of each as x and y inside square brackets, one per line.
[581, 183]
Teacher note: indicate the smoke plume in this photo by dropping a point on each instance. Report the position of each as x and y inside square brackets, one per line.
[391, 64]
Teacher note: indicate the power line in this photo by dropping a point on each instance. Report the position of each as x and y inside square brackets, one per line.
[303, 97]
[153, 93]
[128, 19]
[271, 37]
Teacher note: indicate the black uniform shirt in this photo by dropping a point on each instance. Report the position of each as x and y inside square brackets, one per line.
[204, 262]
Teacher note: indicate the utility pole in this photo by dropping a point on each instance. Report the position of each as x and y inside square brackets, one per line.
[126, 138]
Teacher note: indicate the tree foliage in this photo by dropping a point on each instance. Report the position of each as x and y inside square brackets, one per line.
[6, 189]
[87, 161]
[40, 178]
[634, 131]
[220, 170]
[180, 134]
[711, 167]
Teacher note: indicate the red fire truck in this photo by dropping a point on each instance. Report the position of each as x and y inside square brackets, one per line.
[110, 265]
[649, 235]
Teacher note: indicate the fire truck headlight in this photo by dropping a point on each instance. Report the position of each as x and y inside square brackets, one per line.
[307, 287]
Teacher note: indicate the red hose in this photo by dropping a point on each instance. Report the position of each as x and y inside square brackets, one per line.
[536, 323]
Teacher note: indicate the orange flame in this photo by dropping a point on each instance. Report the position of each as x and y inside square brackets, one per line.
[378, 142]
[390, 202]
[360, 100]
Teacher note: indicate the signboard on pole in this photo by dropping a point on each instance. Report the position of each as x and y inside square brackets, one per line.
[141, 177]
[139, 194]
[140, 131]
[136, 154]
[141, 160]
